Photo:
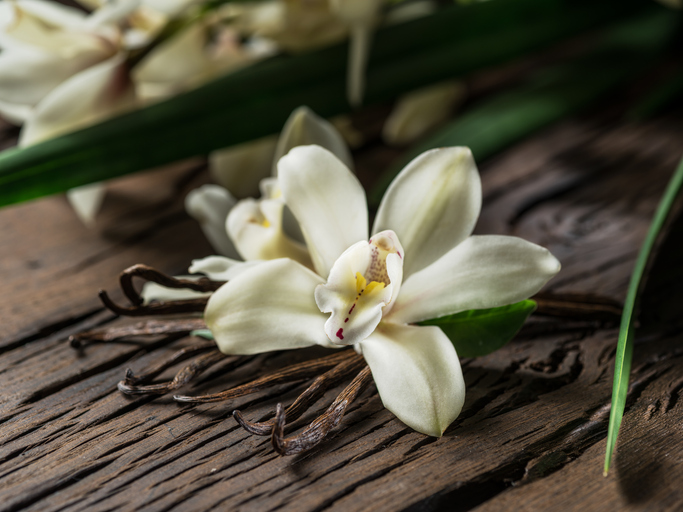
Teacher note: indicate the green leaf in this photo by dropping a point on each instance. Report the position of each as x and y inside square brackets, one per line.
[203, 333]
[478, 332]
[554, 93]
[622, 363]
[256, 101]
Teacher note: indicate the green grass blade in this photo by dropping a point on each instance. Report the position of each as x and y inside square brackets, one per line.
[626, 49]
[622, 364]
[256, 101]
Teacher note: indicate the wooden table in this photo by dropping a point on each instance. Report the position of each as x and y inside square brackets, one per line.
[531, 435]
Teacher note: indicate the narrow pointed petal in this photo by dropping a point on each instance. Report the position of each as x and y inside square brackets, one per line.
[418, 375]
[482, 272]
[327, 200]
[86, 201]
[241, 168]
[209, 205]
[269, 307]
[432, 205]
[220, 268]
[304, 128]
[98, 92]
[256, 228]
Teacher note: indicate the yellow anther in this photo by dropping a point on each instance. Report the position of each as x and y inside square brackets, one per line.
[365, 288]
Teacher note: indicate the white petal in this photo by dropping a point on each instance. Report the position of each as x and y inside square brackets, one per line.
[56, 14]
[327, 200]
[268, 307]
[178, 64]
[54, 28]
[241, 168]
[155, 292]
[92, 95]
[409, 11]
[113, 12]
[482, 272]
[360, 16]
[86, 201]
[417, 374]
[27, 75]
[362, 284]
[304, 127]
[210, 205]
[220, 268]
[15, 113]
[418, 112]
[171, 8]
[359, 48]
[432, 205]
[255, 227]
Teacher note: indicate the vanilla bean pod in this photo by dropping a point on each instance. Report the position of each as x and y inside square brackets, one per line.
[185, 375]
[138, 308]
[156, 308]
[145, 328]
[179, 355]
[304, 401]
[203, 284]
[575, 306]
[291, 373]
[318, 429]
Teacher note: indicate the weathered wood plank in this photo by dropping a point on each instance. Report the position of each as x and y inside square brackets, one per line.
[532, 431]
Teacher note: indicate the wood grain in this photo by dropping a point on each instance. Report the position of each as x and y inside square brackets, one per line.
[531, 435]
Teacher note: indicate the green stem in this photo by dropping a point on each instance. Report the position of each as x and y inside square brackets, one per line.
[622, 364]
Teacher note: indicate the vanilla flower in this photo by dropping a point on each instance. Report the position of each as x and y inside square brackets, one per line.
[421, 262]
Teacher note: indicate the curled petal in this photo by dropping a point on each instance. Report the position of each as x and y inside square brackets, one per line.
[256, 229]
[432, 205]
[327, 200]
[482, 272]
[362, 285]
[220, 268]
[268, 307]
[210, 205]
[418, 375]
[304, 128]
